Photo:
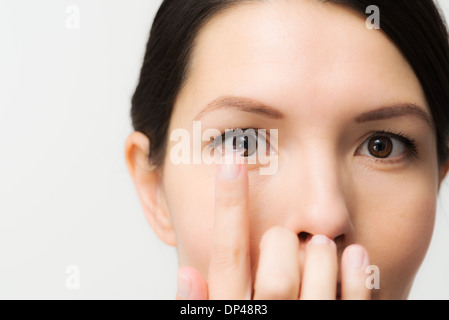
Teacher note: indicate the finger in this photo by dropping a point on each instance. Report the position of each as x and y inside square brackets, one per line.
[354, 261]
[277, 275]
[191, 285]
[229, 268]
[319, 280]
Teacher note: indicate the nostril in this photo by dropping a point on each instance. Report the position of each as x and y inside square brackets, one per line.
[339, 240]
[304, 236]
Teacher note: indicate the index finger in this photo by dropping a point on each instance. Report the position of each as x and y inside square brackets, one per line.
[229, 269]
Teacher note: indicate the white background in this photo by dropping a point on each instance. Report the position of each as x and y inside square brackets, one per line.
[66, 197]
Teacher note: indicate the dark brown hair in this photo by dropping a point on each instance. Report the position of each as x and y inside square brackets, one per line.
[417, 28]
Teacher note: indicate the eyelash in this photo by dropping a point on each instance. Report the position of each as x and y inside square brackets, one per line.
[411, 146]
[215, 141]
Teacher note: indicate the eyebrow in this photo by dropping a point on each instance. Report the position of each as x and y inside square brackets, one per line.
[256, 107]
[396, 111]
[242, 104]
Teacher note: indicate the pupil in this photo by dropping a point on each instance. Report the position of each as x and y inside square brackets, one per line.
[243, 140]
[239, 141]
[379, 145]
[245, 145]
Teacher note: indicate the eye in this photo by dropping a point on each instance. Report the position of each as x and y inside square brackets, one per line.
[247, 143]
[244, 141]
[385, 145]
[382, 147]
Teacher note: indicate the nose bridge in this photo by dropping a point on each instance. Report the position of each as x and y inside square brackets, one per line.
[321, 206]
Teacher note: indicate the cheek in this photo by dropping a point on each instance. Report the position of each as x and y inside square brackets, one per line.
[394, 221]
[190, 193]
[190, 198]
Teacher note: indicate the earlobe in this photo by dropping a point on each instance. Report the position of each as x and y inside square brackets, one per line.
[443, 172]
[147, 182]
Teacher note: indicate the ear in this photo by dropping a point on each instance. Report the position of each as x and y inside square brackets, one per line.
[147, 181]
[443, 172]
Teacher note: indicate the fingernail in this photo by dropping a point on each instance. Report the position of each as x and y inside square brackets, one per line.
[184, 286]
[320, 239]
[356, 256]
[229, 169]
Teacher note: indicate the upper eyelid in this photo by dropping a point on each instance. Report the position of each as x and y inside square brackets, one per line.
[399, 136]
[412, 148]
[213, 143]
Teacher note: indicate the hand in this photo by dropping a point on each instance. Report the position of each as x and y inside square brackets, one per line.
[279, 274]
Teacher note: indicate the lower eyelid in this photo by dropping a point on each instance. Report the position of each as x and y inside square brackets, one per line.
[403, 160]
[405, 157]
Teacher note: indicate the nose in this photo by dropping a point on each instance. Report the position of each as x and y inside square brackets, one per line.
[321, 200]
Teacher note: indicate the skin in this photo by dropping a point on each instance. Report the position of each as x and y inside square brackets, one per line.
[321, 67]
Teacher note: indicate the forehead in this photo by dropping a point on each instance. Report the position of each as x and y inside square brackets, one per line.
[303, 51]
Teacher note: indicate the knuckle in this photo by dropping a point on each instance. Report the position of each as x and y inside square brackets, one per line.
[226, 258]
[228, 202]
[359, 293]
[278, 287]
[230, 194]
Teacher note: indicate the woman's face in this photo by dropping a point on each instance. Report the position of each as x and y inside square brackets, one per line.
[321, 68]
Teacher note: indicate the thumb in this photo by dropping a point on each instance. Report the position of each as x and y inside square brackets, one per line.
[191, 285]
